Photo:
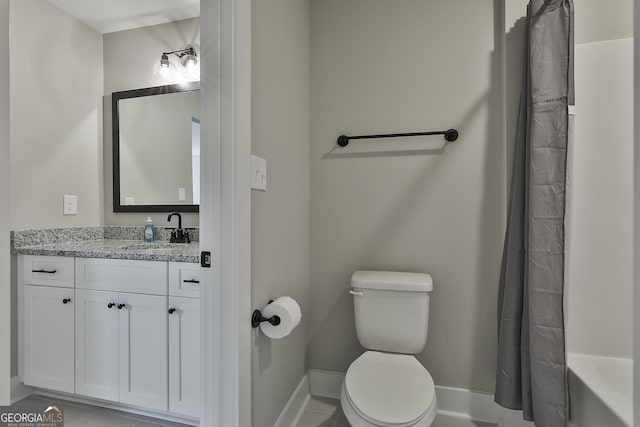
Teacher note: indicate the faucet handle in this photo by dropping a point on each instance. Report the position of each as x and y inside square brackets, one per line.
[177, 236]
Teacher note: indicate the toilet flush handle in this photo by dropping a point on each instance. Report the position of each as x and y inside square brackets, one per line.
[356, 293]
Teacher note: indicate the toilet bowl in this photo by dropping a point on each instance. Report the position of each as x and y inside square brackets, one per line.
[383, 389]
[387, 386]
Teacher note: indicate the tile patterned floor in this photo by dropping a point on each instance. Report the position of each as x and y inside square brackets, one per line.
[323, 412]
[319, 412]
[80, 415]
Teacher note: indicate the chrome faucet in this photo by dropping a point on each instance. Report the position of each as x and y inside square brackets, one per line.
[178, 235]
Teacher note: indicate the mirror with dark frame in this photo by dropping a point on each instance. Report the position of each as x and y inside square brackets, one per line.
[156, 149]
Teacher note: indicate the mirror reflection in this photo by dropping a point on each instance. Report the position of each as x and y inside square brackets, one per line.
[157, 148]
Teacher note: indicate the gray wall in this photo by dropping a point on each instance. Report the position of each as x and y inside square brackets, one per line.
[5, 287]
[56, 129]
[600, 251]
[598, 20]
[378, 67]
[129, 57]
[280, 216]
[56, 117]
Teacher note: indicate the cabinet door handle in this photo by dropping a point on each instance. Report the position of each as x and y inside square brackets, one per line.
[44, 271]
[356, 293]
[172, 310]
[66, 300]
[111, 305]
[121, 306]
[191, 281]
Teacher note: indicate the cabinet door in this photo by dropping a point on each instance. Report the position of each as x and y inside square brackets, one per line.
[184, 356]
[143, 350]
[97, 344]
[48, 337]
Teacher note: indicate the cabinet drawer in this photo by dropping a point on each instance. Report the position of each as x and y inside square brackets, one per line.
[184, 279]
[48, 270]
[138, 277]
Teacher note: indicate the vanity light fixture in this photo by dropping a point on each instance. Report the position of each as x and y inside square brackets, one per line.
[188, 60]
[187, 56]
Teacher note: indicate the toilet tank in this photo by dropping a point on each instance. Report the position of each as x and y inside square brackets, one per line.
[391, 310]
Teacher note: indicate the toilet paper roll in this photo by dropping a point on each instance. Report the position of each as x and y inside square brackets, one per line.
[289, 312]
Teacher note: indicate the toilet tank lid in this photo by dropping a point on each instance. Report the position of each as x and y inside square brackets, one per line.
[392, 281]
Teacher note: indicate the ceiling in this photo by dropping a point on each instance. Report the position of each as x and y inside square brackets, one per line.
[119, 15]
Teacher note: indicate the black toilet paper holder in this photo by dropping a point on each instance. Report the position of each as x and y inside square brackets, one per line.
[258, 318]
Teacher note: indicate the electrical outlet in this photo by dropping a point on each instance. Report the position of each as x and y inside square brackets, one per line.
[182, 194]
[258, 173]
[70, 205]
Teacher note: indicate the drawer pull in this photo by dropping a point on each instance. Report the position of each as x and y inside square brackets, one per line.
[44, 271]
[111, 305]
[172, 310]
[66, 300]
[191, 281]
[121, 306]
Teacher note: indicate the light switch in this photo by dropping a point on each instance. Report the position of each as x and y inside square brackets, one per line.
[258, 173]
[70, 205]
[182, 194]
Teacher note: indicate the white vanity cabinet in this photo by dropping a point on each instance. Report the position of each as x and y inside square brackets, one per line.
[97, 341]
[46, 322]
[184, 339]
[48, 337]
[184, 356]
[122, 336]
[126, 303]
[143, 336]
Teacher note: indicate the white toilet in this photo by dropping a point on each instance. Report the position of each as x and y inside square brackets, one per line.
[387, 386]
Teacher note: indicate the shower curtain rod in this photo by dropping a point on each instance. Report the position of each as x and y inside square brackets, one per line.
[450, 135]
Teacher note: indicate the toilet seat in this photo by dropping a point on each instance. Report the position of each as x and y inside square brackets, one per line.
[390, 390]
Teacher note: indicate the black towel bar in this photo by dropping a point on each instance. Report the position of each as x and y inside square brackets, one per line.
[450, 135]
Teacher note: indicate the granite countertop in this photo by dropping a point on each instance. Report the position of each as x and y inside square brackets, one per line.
[118, 249]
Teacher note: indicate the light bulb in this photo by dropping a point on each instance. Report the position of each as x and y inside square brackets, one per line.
[188, 61]
[165, 71]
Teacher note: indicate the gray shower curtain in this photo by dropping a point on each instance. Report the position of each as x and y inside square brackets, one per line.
[531, 371]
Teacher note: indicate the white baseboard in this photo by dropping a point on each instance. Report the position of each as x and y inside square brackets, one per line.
[453, 402]
[295, 406]
[325, 383]
[19, 391]
[463, 403]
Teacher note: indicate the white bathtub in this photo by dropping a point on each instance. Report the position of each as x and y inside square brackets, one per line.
[610, 379]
